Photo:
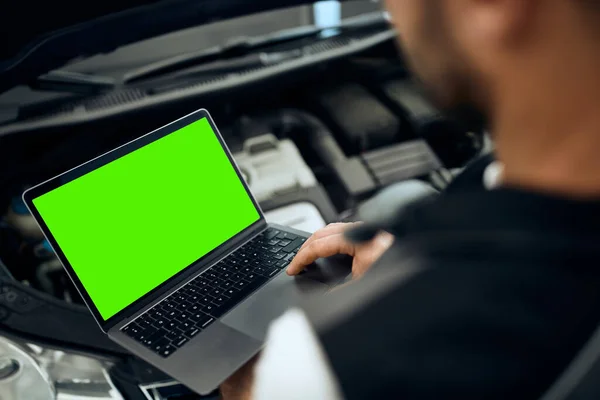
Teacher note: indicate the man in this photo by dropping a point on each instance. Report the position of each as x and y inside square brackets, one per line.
[501, 285]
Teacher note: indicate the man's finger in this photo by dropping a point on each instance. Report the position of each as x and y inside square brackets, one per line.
[331, 229]
[325, 247]
[371, 252]
[383, 241]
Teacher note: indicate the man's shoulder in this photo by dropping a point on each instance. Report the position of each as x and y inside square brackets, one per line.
[482, 297]
[457, 326]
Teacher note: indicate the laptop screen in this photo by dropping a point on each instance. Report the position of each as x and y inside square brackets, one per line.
[132, 224]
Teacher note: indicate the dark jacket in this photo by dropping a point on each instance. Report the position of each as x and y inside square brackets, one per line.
[485, 295]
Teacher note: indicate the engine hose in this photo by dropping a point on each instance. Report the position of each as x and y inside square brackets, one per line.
[321, 138]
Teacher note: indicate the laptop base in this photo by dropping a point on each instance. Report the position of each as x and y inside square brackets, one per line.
[213, 355]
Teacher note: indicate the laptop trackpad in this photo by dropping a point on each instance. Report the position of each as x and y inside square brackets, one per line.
[254, 315]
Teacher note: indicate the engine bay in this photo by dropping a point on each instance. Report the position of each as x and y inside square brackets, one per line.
[312, 146]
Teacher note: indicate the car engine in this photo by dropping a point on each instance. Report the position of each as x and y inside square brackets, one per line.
[313, 146]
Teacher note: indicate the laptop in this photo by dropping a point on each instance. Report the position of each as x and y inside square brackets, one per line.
[172, 254]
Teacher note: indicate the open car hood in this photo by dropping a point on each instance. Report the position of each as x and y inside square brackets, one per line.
[41, 36]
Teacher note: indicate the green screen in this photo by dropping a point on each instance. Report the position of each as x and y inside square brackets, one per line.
[135, 222]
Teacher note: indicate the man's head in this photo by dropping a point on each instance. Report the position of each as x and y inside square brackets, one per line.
[477, 52]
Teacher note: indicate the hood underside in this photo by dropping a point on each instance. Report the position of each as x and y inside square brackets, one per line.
[46, 35]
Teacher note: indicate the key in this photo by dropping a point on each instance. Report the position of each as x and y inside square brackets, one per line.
[195, 308]
[246, 270]
[184, 291]
[159, 323]
[216, 292]
[205, 322]
[206, 289]
[226, 275]
[147, 333]
[153, 314]
[167, 351]
[174, 334]
[185, 325]
[293, 245]
[180, 340]
[286, 235]
[218, 282]
[211, 309]
[160, 344]
[212, 276]
[236, 277]
[282, 264]
[144, 323]
[183, 316]
[193, 331]
[274, 242]
[248, 288]
[199, 283]
[275, 249]
[285, 242]
[268, 262]
[206, 300]
[220, 300]
[191, 288]
[227, 284]
[171, 324]
[279, 256]
[198, 316]
[232, 293]
[222, 268]
[156, 336]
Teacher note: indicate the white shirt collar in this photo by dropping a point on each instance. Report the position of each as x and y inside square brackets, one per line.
[492, 176]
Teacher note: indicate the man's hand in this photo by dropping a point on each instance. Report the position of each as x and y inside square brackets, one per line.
[330, 241]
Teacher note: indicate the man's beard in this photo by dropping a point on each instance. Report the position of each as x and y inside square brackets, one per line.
[456, 93]
[467, 113]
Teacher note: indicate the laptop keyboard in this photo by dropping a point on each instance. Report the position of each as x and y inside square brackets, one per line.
[174, 321]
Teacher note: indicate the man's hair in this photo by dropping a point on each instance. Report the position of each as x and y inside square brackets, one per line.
[590, 15]
[589, 5]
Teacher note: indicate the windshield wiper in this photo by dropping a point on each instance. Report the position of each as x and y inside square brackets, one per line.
[238, 52]
[234, 49]
[73, 82]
